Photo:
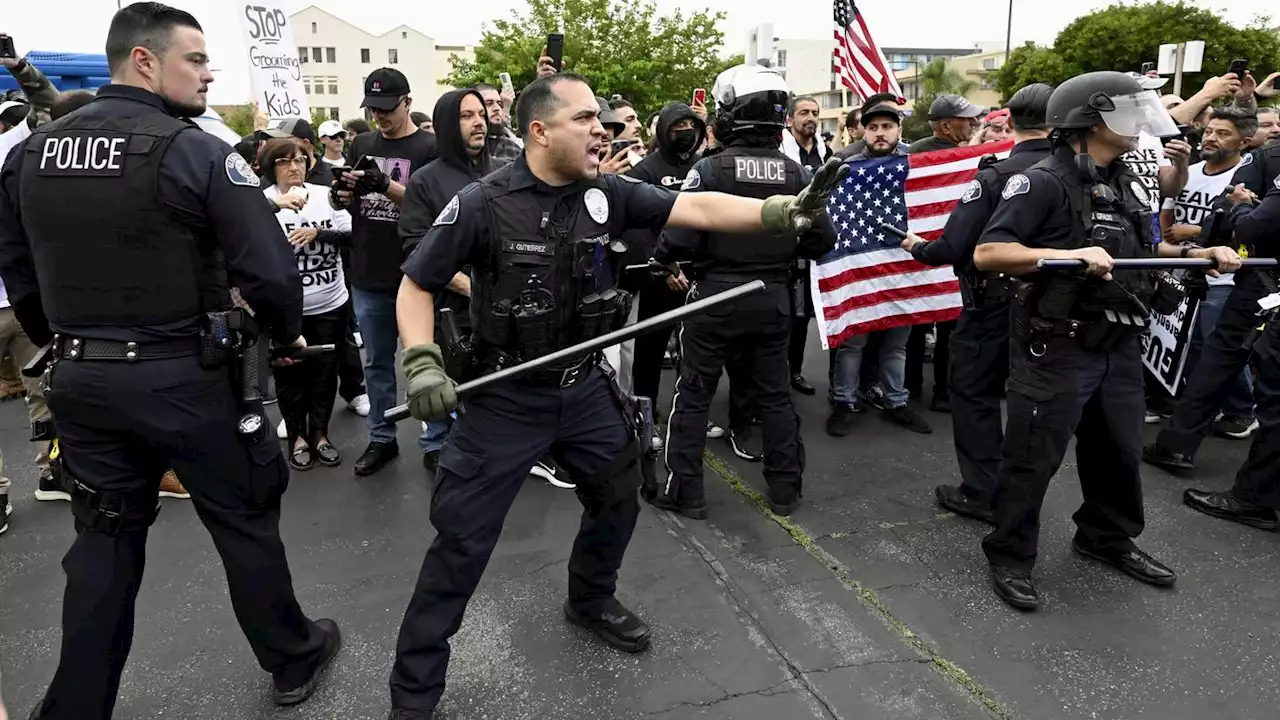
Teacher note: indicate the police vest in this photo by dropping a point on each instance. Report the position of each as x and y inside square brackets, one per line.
[106, 249]
[540, 261]
[755, 173]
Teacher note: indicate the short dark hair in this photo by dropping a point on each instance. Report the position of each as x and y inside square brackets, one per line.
[419, 117]
[1245, 121]
[69, 102]
[357, 126]
[276, 149]
[795, 104]
[853, 118]
[620, 103]
[482, 86]
[538, 99]
[880, 98]
[146, 24]
[1029, 107]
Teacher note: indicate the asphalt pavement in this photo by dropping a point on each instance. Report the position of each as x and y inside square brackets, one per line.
[869, 602]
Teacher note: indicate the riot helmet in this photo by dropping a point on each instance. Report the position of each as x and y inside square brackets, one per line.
[1109, 98]
[750, 97]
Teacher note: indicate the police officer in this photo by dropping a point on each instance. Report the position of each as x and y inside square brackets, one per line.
[1075, 357]
[131, 219]
[751, 103]
[980, 345]
[1227, 350]
[539, 237]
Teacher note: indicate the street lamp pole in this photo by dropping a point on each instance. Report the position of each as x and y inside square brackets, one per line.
[1008, 33]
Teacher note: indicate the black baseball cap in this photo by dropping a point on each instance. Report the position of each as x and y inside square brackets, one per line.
[953, 106]
[383, 89]
[871, 110]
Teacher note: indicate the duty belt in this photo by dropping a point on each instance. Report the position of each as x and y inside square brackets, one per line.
[999, 287]
[770, 277]
[69, 348]
[563, 376]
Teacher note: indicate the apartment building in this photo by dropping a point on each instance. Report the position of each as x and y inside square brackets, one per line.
[337, 56]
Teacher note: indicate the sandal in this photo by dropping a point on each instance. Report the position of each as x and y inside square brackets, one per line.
[301, 460]
[328, 454]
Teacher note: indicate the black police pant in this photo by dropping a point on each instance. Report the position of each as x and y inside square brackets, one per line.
[914, 379]
[1223, 357]
[1258, 480]
[979, 368]
[757, 328]
[120, 427]
[1098, 397]
[484, 463]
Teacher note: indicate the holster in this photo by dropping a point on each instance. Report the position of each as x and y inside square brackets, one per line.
[459, 355]
[535, 328]
[217, 341]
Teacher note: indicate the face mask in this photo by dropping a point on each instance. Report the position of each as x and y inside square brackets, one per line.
[684, 141]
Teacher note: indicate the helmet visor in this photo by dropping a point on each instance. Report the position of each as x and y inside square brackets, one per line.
[1139, 113]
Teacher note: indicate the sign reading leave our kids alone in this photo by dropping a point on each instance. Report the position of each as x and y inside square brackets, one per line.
[274, 71]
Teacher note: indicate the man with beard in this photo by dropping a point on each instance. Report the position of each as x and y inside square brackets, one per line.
[801, 143]
[504, 148]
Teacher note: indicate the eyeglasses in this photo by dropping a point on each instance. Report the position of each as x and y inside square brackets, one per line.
[300, 161]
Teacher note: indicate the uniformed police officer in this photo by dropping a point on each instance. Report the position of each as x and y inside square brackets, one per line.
[1075, 358]
[126, 222]
[751, 108]
[980, 344]
[539, 237]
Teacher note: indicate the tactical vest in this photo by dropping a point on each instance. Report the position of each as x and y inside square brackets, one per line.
[755, 173]
[549, 279]
[106, 249]
[974, 282]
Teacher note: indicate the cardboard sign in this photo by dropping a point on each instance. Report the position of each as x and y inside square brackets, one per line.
[274, 71]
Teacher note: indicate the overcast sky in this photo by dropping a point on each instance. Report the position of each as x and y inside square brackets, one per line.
[898, 23]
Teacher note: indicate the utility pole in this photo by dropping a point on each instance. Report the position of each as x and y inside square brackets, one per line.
[1008, 33]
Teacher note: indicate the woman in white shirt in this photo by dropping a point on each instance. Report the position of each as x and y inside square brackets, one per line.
[306, 390]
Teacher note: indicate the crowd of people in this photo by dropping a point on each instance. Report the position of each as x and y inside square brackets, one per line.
[557, 207]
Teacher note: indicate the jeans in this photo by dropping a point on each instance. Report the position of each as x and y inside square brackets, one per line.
[376, 313]
[1237, 398]
[893, 367]
[15, 342]
[433, 435]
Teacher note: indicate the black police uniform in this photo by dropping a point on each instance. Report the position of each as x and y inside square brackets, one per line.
[914, 376]
[980, 344]
[126, 221]
[1075, 361]
[543, 279]
[758, 327]
[1226, 350]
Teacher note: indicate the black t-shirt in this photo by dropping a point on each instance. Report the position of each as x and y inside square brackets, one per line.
[375, 241]
[811, 159]
[930, 144]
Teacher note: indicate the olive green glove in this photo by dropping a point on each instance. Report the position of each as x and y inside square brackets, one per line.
[794, 214]
[431, 392]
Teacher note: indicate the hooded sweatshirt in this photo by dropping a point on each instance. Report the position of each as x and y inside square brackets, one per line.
[665, 167]
[431, 187]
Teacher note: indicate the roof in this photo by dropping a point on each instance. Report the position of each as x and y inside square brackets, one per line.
[929, 51]
[397, 28]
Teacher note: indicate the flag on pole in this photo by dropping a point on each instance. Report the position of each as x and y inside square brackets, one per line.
[869, 283]
[858, 61]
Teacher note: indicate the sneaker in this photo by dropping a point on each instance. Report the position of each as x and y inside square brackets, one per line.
[1236, 427]
[5, 511]
[1151, 418]
[907, 418]
[873, 397]
[49, 488]
[171, 488]
[841, 421]
[714, 431]
[547, 470]
[282, 432]
[360, 405]
[657, 443]
[746, 444]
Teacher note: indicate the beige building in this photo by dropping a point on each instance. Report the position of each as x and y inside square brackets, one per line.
[978, 67]
[337, 56]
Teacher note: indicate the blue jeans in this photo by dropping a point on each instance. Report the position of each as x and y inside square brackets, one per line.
[1237, 400]
[893, 367]
[376, 313]
[433, 435]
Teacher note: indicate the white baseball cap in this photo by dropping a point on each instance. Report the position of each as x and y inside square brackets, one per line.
[7, 104]
[331, 128]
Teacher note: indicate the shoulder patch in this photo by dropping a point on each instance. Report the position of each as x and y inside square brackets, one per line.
[1016, 185]
[597, 205]
[1246, 160]
[692, 181]
[1140, 192]
[973, 192]
[449, 215]
[239, 172]
[1277, 182]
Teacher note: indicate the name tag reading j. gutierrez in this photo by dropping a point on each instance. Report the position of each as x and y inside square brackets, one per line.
[761, 171]
[89, 154]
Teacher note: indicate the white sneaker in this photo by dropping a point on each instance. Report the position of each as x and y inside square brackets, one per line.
[657, 443]
[360, 404]
[281, 431]
[359, 340]
[714, 431]
[549, 473]
[1151, 418]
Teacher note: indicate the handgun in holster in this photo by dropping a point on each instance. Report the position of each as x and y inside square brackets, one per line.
[252, 351]
[459, 355]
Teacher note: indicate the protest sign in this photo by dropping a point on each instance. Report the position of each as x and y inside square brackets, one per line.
[274, 71]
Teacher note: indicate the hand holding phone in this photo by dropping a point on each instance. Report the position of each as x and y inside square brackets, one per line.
[505, 79]
[1239, 66]
[7, 50]
[301, 353]
[555, 50]
[699, 97]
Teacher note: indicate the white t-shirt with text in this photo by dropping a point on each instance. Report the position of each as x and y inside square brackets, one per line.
[1194, 205]
[319, 263]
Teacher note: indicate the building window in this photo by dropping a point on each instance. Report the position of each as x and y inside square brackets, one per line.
[330, 55]
[319, 87]
[988, 63]
[313, 28]
[333, 113]
[316, 54]
[364, 55]
[306, 86]
[404, 35]
[782, 58]
[302, 54]
[393, 57]
[333, 87]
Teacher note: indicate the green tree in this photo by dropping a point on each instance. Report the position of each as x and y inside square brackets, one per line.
[1028, 64]
[936, 78]
[239, 118]
[621, 48]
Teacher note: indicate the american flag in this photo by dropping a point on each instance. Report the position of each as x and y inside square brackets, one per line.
[858, 61]
[868, 282]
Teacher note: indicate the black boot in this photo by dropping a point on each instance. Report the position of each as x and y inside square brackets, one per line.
[614, 624]
[1229, 507]
[1015, 587]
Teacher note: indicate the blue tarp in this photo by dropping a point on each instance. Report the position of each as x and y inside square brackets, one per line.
[67, 71]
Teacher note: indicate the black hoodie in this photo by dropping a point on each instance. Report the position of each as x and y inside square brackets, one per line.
[663, 168]
[432, 186]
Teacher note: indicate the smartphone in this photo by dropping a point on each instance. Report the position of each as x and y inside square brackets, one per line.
[366, 162]
[337, 172]
[1183, 132]
[1239, 66]
[309, 351]
[555, 50]
[6, 47]
[700, 96]
[507, 87]
[1148, 67]
[618, 146]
